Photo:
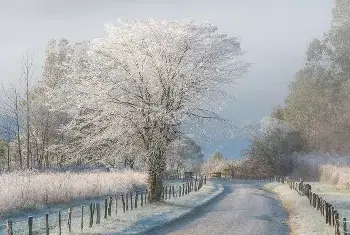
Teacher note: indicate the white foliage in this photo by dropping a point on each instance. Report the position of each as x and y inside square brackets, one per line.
[213, 166]
[143, 81]
[269, 124]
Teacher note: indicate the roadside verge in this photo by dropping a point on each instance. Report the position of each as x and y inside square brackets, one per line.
[155, 216]
[302, 219]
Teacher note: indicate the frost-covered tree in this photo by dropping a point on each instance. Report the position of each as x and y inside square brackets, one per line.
[272, 143]
[143, 82]
[184, 154]
[217, 156]
[318, 103]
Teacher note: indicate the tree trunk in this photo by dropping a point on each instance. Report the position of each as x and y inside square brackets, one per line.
[8, 156]
[18, 129]
[156, 171]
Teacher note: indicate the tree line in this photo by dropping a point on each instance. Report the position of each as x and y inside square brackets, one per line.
[315, 116]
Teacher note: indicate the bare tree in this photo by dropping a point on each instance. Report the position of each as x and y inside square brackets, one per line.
[27, 73]
[11, 112]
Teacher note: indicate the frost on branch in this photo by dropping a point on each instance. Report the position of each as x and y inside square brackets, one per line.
[140, 84]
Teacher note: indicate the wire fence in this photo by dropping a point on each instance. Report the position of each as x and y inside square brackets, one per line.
[323, 207]
[86, 216]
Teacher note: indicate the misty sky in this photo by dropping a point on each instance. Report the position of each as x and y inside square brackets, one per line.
[274, 34]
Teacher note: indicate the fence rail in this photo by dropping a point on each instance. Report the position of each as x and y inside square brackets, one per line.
[92, 212]
[324, 208]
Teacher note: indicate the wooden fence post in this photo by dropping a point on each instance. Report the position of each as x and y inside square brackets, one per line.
[166, 192]
[146, 194]
[106, 208]
[169, 192]
[47, 223]
[329, 213]
[30, 225]
[173, 190]
[82, 218]
[344, 226]
[69, 222]
[326, 209]
[116, 204]
[136, 198]
[315, 198]
[123, 202]
[205, 179]
[330, 219]
[310, 198]
[333, 220]
[131, 206]
[180, 190]
[98, 213]
[59, 223]
[141, 199]
[183, 189]
[9, 227]
[337, 232]
[316, 202]
[110, 206]
[126, 201]
[91, 215]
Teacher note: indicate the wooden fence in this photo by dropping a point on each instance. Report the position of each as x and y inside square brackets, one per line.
[324, 208]
[129, 201]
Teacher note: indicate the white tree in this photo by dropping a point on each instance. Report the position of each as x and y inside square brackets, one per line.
[143, 82]
[184, 154]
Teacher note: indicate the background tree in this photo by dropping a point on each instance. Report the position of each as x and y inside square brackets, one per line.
[217, 156]
[271, 144]
[3, 157]
[184, 154]
[319, 100]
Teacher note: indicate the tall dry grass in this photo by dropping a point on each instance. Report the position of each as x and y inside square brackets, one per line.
[336, 175]
[309, 166]
[20, 190]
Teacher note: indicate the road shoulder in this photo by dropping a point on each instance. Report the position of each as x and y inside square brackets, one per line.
[158, 215]
[302, 218]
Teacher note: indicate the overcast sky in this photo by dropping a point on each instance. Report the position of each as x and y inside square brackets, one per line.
[274, 34]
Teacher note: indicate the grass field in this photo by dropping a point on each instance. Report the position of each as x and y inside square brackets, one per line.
[26, 190]
[335, 175]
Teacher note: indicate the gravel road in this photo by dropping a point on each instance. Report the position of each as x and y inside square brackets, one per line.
[243, 208]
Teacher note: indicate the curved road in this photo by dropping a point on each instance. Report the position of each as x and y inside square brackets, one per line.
[244, 208]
